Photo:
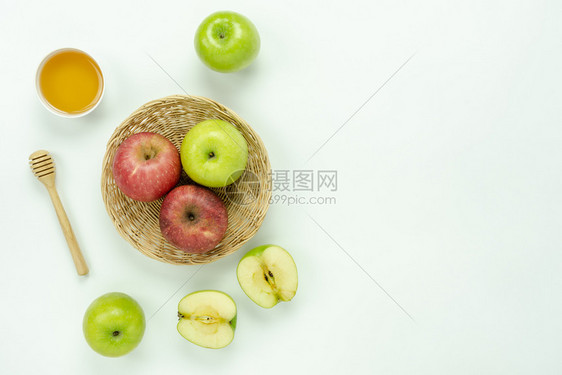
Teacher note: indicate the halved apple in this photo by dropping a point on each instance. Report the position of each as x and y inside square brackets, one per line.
[268, 274]
[207, 318]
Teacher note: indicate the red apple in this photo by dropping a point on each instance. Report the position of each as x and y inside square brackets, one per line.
[193, 218]
[146, 166]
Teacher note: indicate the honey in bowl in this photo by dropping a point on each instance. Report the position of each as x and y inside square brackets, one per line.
[70, 82]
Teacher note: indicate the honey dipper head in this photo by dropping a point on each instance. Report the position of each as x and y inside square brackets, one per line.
[42, 164]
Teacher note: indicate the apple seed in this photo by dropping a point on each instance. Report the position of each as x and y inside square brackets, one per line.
[272, 283]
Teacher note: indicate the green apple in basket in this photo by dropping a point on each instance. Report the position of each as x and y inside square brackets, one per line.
[268, 274]
[207, 318]
[227, 41]
[214, 153]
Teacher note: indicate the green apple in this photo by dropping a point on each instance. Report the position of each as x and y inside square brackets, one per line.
[114, 324]
[268, 274]
[207, 318]
[214, 153]
[227, 41]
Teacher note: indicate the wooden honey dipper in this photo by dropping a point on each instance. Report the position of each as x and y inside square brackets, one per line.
[43, 166]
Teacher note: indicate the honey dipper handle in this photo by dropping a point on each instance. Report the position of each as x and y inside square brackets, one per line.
[79, 262]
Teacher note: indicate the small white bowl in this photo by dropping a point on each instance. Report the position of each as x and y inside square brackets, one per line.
[48, 105]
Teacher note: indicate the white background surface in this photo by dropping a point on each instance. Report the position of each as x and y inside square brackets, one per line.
[449, 190]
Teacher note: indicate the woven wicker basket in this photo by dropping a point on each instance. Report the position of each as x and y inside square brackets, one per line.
[247, 200]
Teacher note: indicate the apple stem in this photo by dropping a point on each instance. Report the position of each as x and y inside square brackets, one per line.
[149, 155]
[116, 333]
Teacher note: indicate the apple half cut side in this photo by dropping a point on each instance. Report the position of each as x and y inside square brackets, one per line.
[207, 318]
[268, 274]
